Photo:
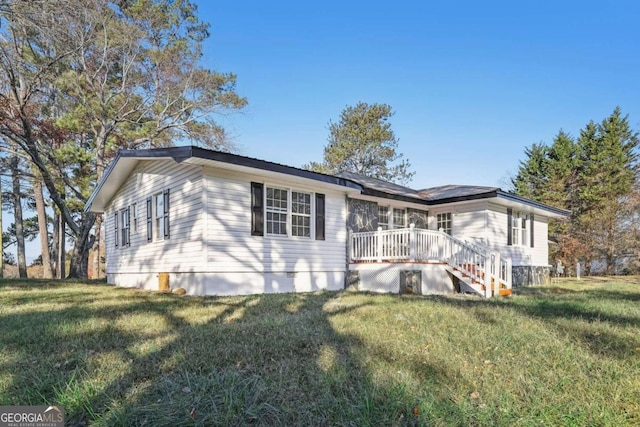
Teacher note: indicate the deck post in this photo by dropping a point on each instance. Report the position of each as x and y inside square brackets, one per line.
[412, 242]
[496, 280]
[350, 247]
[379, 244]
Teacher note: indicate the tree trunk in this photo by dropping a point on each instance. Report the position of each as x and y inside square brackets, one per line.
[96, 247]
[17, 211]
[81, 247]
[55, 244]
[43, 231]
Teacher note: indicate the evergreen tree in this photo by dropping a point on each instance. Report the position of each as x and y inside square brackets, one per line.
[596, 178]
[363, 142]
[531, 180]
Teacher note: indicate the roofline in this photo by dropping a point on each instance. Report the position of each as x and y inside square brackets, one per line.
[107, 172]
[182, 153]
[236, 159]
[382, 194]
[494, 193]
[512, 197]
[478, 196]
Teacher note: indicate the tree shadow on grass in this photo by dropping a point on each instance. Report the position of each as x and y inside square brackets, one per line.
[165, 360]
[561, 313]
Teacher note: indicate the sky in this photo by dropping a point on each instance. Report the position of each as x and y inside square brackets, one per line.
[471, 83]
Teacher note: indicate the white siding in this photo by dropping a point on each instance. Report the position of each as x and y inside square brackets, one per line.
[231, 247]
[467, 219]
[183, 251]
[520, 255]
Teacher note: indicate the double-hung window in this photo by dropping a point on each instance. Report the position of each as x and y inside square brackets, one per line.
[158, 216]
[519, 234]
[289, 213]
[443, 222]
[383, 217]
[126, 237]
[276, 209]
[390, 218]
[300, 214]
[399, 218]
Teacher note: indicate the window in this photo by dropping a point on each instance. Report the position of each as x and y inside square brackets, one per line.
[383, 217]
[134, 217]
[300, 214]
[519, 233]
[389, 217]
[443, 221]
[399, 218]
[124, 215]
[287, 212]
[277, 211]
[158, 216]
[149, 220]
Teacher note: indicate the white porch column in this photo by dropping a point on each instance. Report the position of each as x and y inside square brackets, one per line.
[379, 244]
[412, 242]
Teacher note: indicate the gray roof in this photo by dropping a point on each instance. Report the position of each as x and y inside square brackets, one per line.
[378, 187]
[126, 160]
[454, 191]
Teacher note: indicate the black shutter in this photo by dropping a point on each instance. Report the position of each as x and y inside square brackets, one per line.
[165, 195]
[257, 209]
[531, 222]
[319, 216]
[149, 219]
[509, 226]
[115, 219]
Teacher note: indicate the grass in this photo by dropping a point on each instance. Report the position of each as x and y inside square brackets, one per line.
[566, 354]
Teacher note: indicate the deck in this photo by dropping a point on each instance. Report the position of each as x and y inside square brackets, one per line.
[477, 267]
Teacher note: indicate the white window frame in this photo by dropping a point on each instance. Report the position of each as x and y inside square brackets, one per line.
[383, 216]
[389, 222]
[444, 221]
[519, 229]
[295, 229]
[125, 236]
[287, 211]
[394, 216]
[158, 217]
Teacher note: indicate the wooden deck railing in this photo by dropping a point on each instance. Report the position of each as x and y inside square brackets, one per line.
[479, 263]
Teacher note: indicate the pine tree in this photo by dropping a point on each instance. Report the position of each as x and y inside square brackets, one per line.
[532, 178]
[596, 178]
[363, 142]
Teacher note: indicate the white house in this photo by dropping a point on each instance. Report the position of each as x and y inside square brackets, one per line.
[216, 223]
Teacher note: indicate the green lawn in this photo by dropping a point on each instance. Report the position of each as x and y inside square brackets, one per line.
[566, 354]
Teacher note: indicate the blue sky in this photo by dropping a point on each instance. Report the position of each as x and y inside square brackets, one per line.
[471, 83]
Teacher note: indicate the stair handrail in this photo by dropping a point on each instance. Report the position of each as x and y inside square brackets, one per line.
[473, 262]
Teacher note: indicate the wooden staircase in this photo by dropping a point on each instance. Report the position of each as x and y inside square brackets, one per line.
[469, 283]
